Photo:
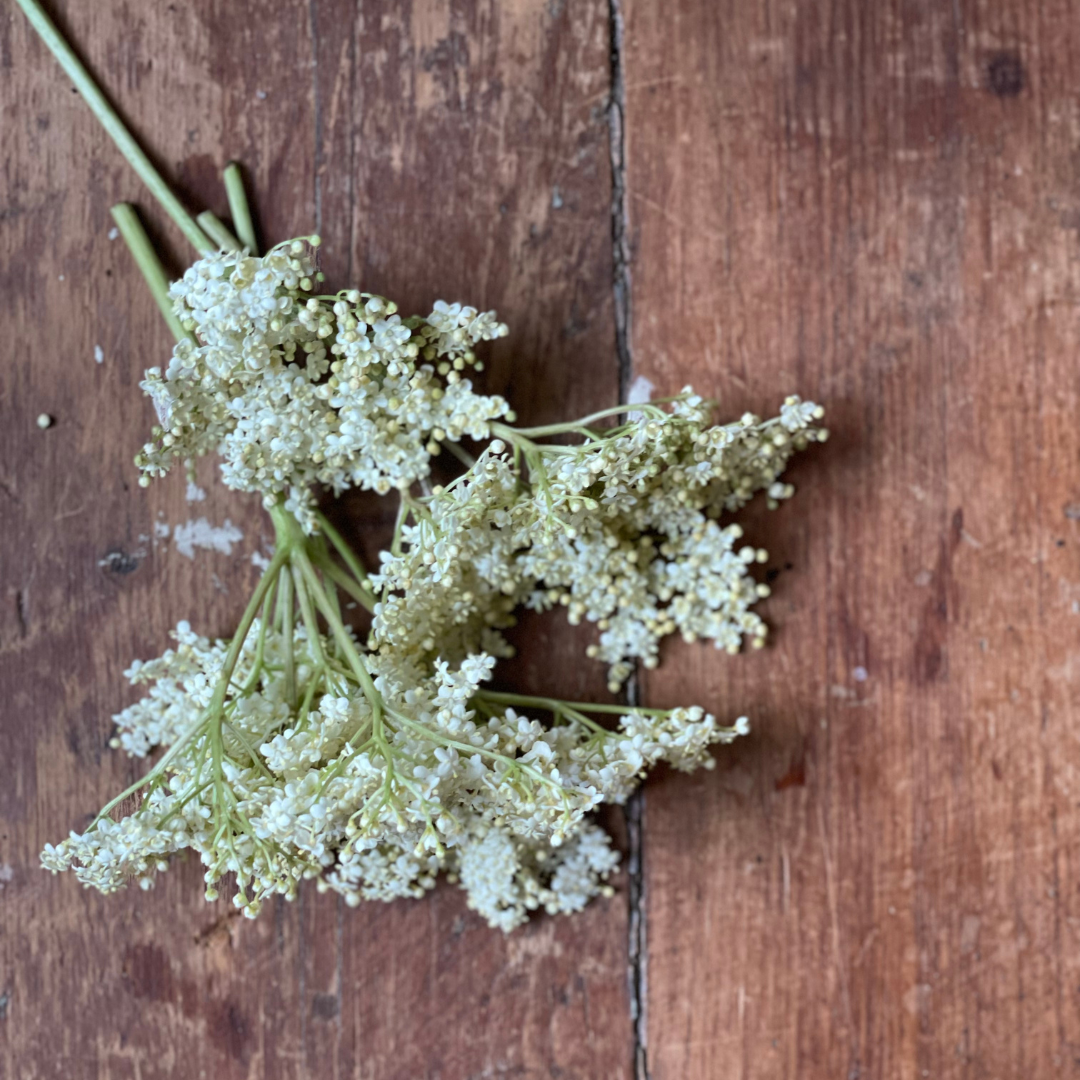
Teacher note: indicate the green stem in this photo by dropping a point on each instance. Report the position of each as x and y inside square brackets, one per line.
[307, 613]
[345, 643]
[217, 702]
[508, 433]
[343, 549]
[285, 598]
[555, 705]
[320, 557]
[113, 125]
[343, 581]
[213, 226]
[463, 456]
[260, 647]
[469, 749]
[127, 221]
[215, 708]
[239, 209]
[404, 508]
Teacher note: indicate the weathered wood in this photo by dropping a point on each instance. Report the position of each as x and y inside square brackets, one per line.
[874, 205]
[439, 148]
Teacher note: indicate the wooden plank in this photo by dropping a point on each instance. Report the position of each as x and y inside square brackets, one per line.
[874, 205]
[440, 148]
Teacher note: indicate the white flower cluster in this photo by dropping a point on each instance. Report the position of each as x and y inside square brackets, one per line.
[294, 751]
[295, 389]
[300, 781]
[620, 530]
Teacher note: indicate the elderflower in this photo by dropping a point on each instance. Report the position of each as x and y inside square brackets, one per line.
[620, 530]
[299, 748]
[299, 781]
[295, 389]
[296, 749]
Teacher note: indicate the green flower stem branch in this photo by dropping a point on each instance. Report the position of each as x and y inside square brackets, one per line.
[238, 207]
[138, 243]
[213, 226]
[112, 123]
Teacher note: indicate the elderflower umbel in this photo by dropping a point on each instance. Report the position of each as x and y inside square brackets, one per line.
[295, 389]
[297, 750]
[306, 785]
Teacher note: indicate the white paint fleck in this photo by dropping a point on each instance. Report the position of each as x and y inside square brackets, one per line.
[60, 278]
[260, 94]
[859, 674]
[260, 561]
[640, 392]
[194, 492]
[161, 530]
[6, 874]
[114, 232]
[99, 355]
[200, 533]
[556, 198]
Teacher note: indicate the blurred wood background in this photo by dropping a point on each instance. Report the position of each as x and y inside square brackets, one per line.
[875, 205]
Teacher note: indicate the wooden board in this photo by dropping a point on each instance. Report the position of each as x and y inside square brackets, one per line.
[456, 150]
[874, 205]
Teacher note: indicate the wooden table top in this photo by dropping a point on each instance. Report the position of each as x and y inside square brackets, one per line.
[874, 205]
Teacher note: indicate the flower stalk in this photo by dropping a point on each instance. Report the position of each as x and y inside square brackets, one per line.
[113, 125]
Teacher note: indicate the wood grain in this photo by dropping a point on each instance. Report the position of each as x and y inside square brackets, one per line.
[874, 205]
[439, 148]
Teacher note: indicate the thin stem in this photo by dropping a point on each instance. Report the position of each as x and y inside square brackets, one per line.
[309, 697]
[215, 708]
[555, 705]
[320, 556]
[345, 642]
[213, 226]
[260, 645]
[307, 613]
[112, 123]
[138, 243]
[512, 763]
[404, 508]
[239, 209]
[343, 581]
[342, 548]
[217, 702]
[285, 598]
[508, 433]
[462, 455]
[256, 760]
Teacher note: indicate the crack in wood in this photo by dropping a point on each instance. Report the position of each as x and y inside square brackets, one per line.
[637, 954]
[620, 212]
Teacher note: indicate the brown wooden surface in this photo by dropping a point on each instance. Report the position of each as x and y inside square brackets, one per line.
[426, 145]
[873, 204]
